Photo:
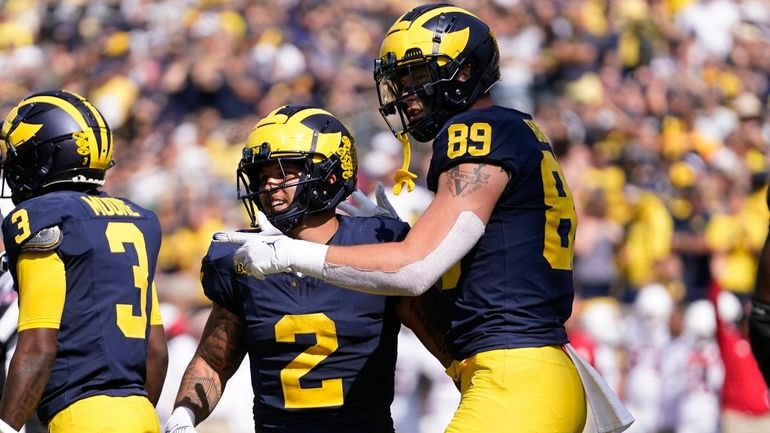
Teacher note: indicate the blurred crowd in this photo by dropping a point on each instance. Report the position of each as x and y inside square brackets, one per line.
[658, 111]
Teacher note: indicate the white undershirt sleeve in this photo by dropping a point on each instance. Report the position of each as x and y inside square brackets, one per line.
[415, 278]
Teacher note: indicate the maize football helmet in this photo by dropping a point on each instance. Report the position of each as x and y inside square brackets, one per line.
[423, 55]
[54, 139]
[310, 138]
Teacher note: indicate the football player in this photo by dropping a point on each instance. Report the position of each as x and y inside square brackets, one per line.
[91, 352]
[499, 233]
[322, 358]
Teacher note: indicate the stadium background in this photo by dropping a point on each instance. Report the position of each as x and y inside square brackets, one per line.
[656, 109]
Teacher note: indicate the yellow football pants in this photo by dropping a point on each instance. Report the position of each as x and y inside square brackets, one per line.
[524, 390]
[106, 414]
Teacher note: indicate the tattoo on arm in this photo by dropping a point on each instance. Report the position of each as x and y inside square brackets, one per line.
[225, 342]
[199, 392]
[30, 396]
[427, 319]
[28, 375]
[463, 183]
[220, 352]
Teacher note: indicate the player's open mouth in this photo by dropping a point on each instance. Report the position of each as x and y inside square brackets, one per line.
[278, 205]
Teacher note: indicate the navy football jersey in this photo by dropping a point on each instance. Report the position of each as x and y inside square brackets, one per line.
[322, 357]
[109, 247]
[514, 288]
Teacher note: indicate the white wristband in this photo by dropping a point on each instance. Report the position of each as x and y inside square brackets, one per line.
[183, 415]
[5, 428]
[307, 257]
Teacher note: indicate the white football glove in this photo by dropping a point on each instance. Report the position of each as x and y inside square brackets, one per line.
[270, 252]
[364, 207]
[181, 420]
[5, 428]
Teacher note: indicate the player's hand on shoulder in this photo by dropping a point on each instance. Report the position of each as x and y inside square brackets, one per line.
[270, 252]
[258, 255]
[180, 421]
[384, 208]
[364, 207]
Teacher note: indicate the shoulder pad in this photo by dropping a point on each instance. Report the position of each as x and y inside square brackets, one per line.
[44, 240]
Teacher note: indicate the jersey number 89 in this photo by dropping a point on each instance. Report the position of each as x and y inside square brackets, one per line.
[560, 218]
[475, 140]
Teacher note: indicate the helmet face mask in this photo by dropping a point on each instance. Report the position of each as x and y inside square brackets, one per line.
[309, 150]
[415, 82]
[14, 167]
[54, 139]
[256, 194]
[434, 43]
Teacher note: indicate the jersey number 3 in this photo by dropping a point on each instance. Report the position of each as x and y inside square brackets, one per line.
[118, 235]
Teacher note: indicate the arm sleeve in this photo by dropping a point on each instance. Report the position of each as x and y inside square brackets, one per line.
[415, 278]
[42, 290]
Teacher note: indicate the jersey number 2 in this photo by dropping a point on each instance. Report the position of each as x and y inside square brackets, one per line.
[118, 235]
[295, 396]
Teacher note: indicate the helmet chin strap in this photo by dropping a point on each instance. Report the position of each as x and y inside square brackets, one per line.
[403, 177]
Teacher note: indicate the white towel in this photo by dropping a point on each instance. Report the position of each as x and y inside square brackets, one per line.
[609, 413]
